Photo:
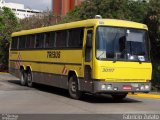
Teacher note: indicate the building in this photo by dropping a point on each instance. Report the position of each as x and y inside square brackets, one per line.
[61, 7]
[19, 9]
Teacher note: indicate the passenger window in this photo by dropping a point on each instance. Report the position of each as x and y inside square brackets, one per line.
[30, 42]
[22, 42]
[39, 40]
[49, 39]
[61, 39]
[75, 37]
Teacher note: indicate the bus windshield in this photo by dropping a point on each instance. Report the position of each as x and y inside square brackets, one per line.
[124, 44]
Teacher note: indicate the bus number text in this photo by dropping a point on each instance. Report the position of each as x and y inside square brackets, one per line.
[53, 54]
[107, 70]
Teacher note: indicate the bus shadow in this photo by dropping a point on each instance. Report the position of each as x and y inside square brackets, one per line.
[86, 97]
[16, 82]
[107, 99]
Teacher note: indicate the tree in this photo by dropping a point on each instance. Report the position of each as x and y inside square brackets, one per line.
[40, 20]
[72, 16]
[137, 10]
[8, 24]
[153, 21]
[116, 9]
[87, 10]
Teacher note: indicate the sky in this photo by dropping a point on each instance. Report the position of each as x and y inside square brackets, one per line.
[34, 4]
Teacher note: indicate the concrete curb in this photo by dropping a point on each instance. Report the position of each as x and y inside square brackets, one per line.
[152, 96]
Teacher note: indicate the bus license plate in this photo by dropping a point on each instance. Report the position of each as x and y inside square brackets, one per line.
[127, 87]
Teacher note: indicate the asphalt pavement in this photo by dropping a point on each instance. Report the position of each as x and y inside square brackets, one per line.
[41, 99]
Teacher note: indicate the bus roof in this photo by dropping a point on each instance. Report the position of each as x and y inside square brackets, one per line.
[83, 23]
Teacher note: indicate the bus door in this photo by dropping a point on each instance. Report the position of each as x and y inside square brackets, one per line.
[87, 60]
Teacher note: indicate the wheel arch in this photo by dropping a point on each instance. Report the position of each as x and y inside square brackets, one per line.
[28, 69]
[22, 68]
[70, 74]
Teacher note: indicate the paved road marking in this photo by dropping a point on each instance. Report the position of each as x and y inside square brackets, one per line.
[3, 73]
[145, 96]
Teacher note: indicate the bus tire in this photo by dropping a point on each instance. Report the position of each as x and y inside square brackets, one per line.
[119, 96]
[29, 79]
[73, 88]
[23, 79]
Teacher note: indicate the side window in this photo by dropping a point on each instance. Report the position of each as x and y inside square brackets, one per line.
[75, 37]
[40, 40]
[27, 41]
[61, 39]
[88, 50]
[49, 39]
[14, 43]
[30, 41]
[22, 42]
[89, 38]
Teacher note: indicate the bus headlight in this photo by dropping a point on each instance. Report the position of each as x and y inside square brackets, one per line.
[103, 87]
[147, 87]
[109, 87]
[142, 87]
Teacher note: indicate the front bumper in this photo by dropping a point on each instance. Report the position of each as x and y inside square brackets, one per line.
[108, 87]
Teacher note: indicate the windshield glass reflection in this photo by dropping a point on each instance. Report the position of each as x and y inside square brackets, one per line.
[122, 44]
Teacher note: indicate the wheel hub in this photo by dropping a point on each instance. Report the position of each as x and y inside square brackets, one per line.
[29, 78]
[73, 87]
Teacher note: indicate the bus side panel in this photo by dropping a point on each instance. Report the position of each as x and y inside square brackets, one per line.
[50, 79]
[46, 68]
[13, 69]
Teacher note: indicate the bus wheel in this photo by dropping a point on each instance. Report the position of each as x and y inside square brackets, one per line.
[29, 79]
[73, 88]
[23, 78]
[119, 96]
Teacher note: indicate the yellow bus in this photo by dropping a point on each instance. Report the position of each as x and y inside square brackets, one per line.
[96, 56]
